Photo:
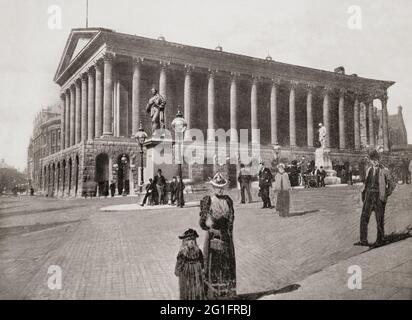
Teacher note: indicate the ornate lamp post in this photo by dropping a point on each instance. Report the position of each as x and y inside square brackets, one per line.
[179, 125]
[141, 137]
[124, 162]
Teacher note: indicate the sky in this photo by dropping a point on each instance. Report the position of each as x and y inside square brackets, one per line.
[312, 33]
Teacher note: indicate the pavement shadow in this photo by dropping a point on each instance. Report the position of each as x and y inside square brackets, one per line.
[258, 295]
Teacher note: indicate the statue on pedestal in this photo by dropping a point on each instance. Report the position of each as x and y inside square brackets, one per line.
[322, 136]
[156, 107]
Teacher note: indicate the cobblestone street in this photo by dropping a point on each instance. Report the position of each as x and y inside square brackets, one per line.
[131, 254]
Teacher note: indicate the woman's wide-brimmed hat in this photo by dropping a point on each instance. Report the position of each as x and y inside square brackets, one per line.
[189, 234]
[218, 181]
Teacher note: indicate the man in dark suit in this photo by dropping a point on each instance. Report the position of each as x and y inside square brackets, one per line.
[180, 186]
[160, 183]
[265, 182]
[150, 192]
[378, 187]
[172, 188]
[321, 176]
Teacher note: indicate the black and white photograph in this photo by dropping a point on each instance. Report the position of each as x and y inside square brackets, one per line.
[206, 150]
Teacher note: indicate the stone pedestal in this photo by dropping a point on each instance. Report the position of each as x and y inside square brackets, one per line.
[322, 159]
[159, 155]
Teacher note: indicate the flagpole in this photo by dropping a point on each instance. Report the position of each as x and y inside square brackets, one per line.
[87, 13]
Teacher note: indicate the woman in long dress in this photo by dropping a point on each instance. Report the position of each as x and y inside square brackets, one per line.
[216, 218]
[282, 188]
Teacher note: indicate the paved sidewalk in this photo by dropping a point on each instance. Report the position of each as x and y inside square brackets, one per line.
[386, 274]
[136, 206]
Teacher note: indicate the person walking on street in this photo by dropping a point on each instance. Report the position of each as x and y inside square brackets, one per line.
[265, 182]
[160, 183]
[244, 180]
[349, 175]
[282, 189]
[112, 189]
[322, 175]
[217, 217]
[378, 187]
[172, 188]
[180, 186]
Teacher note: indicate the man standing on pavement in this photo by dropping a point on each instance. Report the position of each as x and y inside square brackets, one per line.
[160, 182]
[265, 182]
[303, 171]
[180, 186]
[244, 180]
[410, 170]
[172, 188]
[378, 187]
[321, 176]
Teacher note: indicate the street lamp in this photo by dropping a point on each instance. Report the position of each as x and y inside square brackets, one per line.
[179, 125]
[123, 161]
[141, 137]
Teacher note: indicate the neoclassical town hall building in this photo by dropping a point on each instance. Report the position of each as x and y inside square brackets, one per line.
[106, 77]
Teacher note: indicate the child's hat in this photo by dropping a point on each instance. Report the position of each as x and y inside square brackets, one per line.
[189, 234]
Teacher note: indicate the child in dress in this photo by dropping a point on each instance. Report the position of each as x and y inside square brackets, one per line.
[189, 267]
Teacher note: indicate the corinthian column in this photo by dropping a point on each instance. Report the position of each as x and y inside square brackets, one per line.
[342, 133]
[99, 100]
[292, 115]
[67, 122]
[63, 121]
[274, 111]
[90, 105]
[357, 123]
[78, 112]
[188, 95]
[137, 63]
[253, 110]
[385, 130]
[163, 83]
[309, 115]
[72, 115]
[233, 108]
[85, 110]
[371, 115]
[211, 106]
[108, 95]
[326, 118]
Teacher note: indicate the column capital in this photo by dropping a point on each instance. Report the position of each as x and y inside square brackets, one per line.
[84, 77]
[310, 86]
[109, 56]
[212, 72]
[342, 92]
[63, 95]
[78, 82]
[275, 81]
[255, 79]
[189, 68]
[164, 64]
[293, 84]
[137, 61]
[327, 89]
[234, 76]
[91, 70]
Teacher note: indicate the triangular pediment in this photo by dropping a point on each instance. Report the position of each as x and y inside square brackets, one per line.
[77, 41]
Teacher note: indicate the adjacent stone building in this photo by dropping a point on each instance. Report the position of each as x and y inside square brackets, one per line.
[45, 141]
[106, 77]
